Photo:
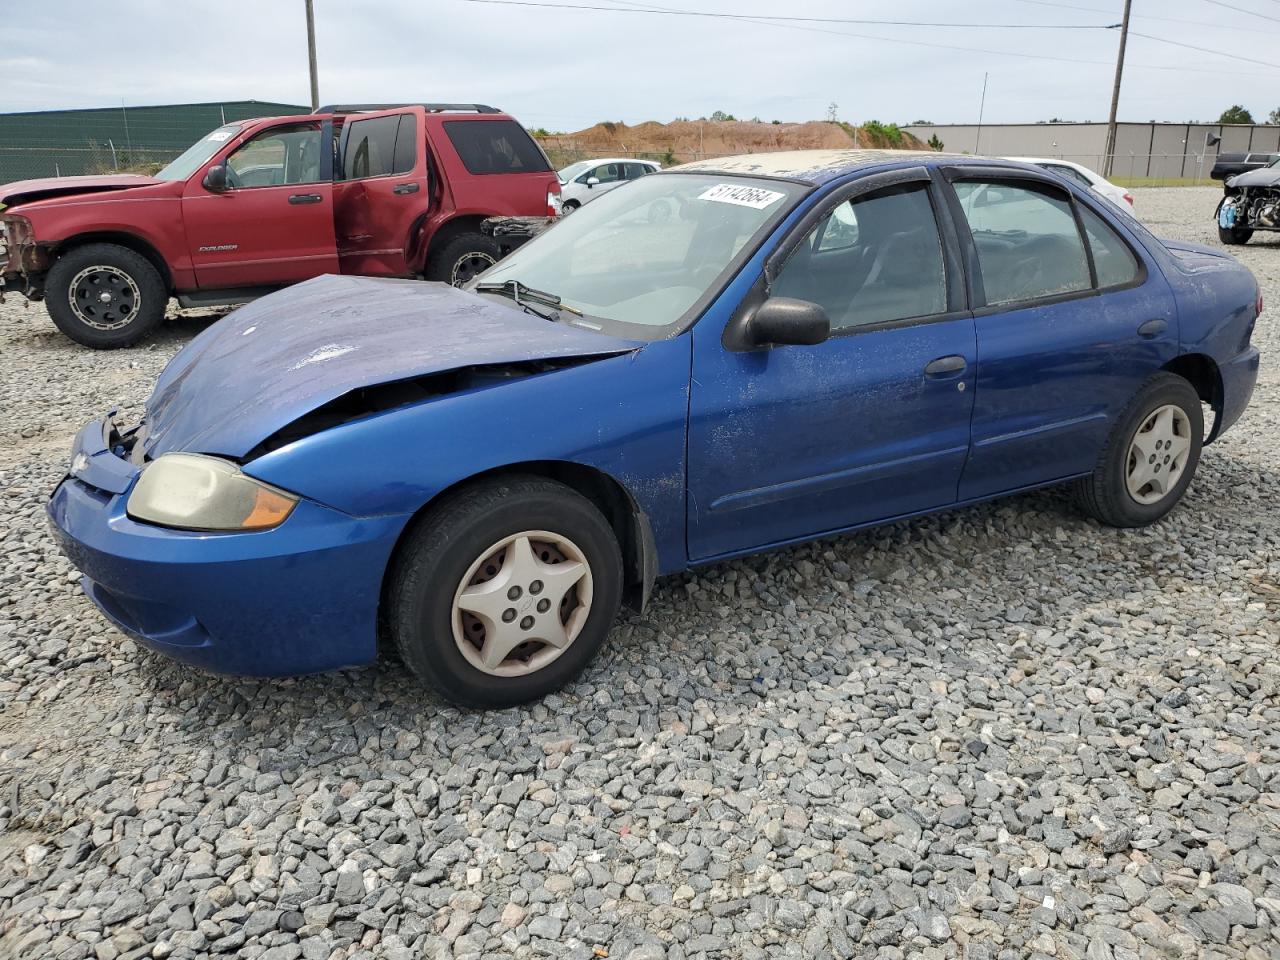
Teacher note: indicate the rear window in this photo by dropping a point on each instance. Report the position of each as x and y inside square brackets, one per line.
[495, 146]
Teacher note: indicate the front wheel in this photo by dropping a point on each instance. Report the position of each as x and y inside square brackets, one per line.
[1149, 458]
[1234, 236]
[104, 295]
[505, 592]
[463, 259]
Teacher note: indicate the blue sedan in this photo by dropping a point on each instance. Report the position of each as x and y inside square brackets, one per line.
[722, 358]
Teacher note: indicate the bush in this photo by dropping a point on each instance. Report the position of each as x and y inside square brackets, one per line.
[883, 134]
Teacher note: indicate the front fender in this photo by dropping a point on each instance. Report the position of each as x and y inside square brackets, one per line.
[624, 416]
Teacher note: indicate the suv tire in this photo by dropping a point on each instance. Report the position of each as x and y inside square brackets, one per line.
[1234, 236]
[512, 535]
[1129, 485]
[105, 296]
[463, 258]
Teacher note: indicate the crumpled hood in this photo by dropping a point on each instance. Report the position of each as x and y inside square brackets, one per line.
[269, 363]
[1262, 177]
[25, 191]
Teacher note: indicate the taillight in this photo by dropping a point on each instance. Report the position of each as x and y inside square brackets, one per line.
[1258, 312]
[1129, 198]
[554, 205]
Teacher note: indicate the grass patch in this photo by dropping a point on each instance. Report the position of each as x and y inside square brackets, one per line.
[1164, 182]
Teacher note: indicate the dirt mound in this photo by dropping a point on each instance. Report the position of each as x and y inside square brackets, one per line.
[684, 140]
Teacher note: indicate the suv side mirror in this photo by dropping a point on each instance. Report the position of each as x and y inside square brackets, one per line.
[215, 178]
[593, 182]
[783, 320]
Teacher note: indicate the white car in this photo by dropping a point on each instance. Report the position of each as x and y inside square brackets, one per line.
[1085, 177]
[585, 180]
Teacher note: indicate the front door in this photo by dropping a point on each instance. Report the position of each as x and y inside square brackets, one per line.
[273, 224]
[793, 441]
[1076, 319]
[382, 196]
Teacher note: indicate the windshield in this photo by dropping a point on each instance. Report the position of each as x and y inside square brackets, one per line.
[638, 259]
[575, 170]
[198, 154]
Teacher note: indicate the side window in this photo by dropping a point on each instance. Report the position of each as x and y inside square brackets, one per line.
[369, 147]
[637, 170]
[275, 157]
[1112, 258]
[495, 146]
[607, 172]
[1028, 244]
[874, 260]
[406, 154]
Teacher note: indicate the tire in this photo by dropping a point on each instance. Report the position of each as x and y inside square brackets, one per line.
[463, 258]
[139, 295]
[1106, 494]
[1234, 236]
[568, 207]
[445, 553]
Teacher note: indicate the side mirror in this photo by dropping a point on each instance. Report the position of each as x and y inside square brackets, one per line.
[593, 182]
[215, 178]
[783, 320]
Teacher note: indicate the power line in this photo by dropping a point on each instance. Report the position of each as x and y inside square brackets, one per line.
[1153, 18]
[1218, 53]
[756, 18]
[1252, 13]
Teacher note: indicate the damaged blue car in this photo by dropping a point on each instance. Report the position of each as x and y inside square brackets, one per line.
[718, 359]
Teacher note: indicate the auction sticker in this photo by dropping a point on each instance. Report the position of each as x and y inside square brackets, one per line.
[757, 198]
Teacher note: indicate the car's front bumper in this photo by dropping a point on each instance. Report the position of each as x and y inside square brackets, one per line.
[301, 598]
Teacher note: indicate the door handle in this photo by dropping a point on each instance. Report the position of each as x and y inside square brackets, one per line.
[1153, 328]
[298, 198]
[945, 366]
[407, 188]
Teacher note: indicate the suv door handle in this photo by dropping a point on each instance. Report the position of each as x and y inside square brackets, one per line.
[407, 188]
[297, 198]
[945, 366]
[1153, 328]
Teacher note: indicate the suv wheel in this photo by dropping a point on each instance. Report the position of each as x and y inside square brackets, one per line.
[1234, 236]
[103, 295]
[1149, 458]
[463, 259]
[504, 592]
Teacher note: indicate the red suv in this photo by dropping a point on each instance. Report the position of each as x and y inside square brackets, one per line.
[258, 204]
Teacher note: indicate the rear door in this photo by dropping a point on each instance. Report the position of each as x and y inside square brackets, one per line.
[381, 195]
[1071, 319]
[274, 222]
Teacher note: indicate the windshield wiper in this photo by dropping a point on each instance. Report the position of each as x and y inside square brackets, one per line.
[524, 295]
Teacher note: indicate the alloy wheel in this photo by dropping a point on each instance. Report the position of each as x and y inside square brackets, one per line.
[104, 297]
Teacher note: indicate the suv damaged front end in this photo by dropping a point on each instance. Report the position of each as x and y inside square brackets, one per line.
[23, 261]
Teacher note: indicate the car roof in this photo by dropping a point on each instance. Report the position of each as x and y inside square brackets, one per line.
[1065, 163]
[813, 166]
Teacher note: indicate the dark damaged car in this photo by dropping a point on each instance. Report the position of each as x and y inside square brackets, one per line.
[707, 362]
[1250, 202]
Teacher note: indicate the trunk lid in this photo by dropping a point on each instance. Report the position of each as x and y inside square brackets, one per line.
[269, 363]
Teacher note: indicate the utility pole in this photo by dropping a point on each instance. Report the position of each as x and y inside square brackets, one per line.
[1110, 156]
[982, 109]
[311, 55]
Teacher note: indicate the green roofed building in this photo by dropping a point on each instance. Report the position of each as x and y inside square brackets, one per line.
[50, 143]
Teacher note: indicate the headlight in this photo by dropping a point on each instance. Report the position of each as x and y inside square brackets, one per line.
[194, 492]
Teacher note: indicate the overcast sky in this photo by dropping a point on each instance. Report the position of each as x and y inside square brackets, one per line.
[567, 68]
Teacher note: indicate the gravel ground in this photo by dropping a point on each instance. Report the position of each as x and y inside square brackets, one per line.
[1002, 732]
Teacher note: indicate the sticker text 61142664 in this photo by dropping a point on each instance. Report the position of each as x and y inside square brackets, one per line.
[755, 197]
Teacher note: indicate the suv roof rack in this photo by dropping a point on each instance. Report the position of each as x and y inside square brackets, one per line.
[429, 107]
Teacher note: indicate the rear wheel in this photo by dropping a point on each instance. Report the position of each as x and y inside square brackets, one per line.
[1234, 236]
[568, 207]
[505, 592]
[463, 259]
[1149, 458]
[104, 295]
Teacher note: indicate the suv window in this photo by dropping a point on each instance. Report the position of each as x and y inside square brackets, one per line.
[1113, 260]
[884, 264]
[277, 156]
[379, 146]
[1028, 244]
[495, 146]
